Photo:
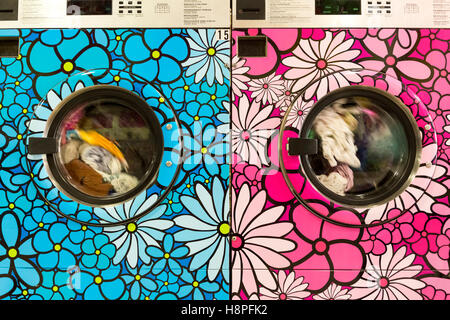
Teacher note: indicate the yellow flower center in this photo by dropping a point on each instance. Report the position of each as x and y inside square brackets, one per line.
[147, 298]
[19, 137]
[116, 78]
[11, 206]
[166, 283]
[98, 280]
[206, 181]
[186, 88]
[118, 38]
[41, 224]
[19, 57]
[166, 256]
[57, 247]
[161, 100]
[17, 83]
[25, 292]
[195, 284]
[68, 66]
[204, 150]
[32, 175]
[131, 227]
[211, 51]
[196, 118]
[137, 277]
[55, 289]
[84, 228]
[156, 54]
[224, 229]
[97, 252]
[188, 186]
[170, 201]
[12, 253]
[213, 97]
[25, 111]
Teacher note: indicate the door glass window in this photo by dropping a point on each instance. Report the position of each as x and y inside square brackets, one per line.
[368, 147]
[109, 146]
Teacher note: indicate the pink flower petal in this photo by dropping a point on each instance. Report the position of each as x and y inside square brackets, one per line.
[414, 69]
[347, 261]
[316, 272]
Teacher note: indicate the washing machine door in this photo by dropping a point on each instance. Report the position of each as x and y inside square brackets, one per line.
[360, 148]
[95, 147]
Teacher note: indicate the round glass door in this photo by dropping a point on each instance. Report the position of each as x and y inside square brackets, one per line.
[369, 146]
[109, 145]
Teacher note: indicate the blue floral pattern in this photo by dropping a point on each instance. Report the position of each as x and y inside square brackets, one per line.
[52, 248]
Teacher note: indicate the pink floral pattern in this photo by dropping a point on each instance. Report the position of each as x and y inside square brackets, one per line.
[257, 241]
[406, 254]
[316, 63]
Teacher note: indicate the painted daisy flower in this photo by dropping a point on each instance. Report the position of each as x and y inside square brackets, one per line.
[206, 228]
[286, 97]
[267, 90]
[289, 288]
[314, 64]
[239, 79]
[132, 239]
[251, 129]
[257, 242]
[209, 56]
[389, 277]
[333, 292]
[299, 111]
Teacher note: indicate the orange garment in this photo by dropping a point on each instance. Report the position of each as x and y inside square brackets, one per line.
[87, 179]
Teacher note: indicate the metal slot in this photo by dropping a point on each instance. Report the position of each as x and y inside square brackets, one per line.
[9, 47]
[252, 46]
[250, 10]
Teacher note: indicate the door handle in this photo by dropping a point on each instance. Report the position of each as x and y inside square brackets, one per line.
[42, 146]
[300, 146]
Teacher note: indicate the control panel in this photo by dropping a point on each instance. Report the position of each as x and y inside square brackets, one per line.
[341, 13]
[135, 7]
[114, 14]
[379, 7]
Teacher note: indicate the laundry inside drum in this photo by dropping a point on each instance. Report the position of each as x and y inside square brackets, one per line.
[364, 150]
[105, 149]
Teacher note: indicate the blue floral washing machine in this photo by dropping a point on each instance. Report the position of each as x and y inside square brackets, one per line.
[114, 145]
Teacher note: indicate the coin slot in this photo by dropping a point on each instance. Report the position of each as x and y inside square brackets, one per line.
[250, 10]
[252, 46]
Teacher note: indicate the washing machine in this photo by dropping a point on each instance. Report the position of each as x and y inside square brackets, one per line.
[340, 151]
[114, 150]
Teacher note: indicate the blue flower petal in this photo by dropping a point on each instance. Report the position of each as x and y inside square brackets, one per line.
[10, 229]
[27, 273]
[113, 290]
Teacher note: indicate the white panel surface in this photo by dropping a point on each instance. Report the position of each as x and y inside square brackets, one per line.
[126, 14]
[374, 13]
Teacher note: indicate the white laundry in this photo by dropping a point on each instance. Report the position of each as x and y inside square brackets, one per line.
[334, 182]
[337, 138]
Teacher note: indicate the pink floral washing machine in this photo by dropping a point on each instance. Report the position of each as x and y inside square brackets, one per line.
[340, 128]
